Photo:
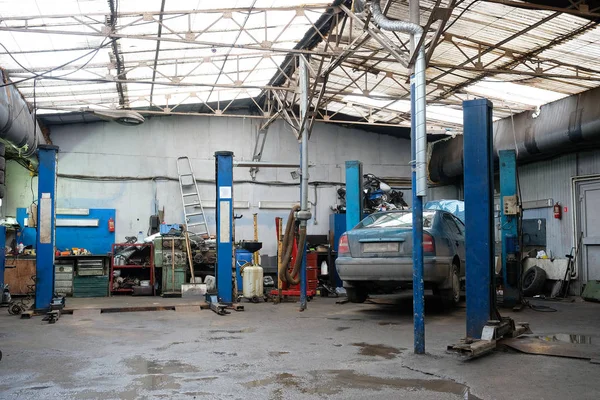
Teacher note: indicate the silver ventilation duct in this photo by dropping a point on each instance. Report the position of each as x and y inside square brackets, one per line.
[17, 126]
[562, 126]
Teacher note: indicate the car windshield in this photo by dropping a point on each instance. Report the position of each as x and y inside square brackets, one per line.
[394, 220]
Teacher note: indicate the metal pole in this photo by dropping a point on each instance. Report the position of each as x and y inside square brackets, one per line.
[479, 214]
[225, 268]
[419, 181]
[304, 106]
[45, 239]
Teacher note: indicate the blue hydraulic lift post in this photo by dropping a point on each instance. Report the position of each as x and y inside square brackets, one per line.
[45, 236]
[417, 230]
[354, 193]
[509, 222]
[224, 220]
[2, 258]
[479, 213]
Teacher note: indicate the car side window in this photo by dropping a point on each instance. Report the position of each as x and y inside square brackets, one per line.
[452, 225]
[461, 226]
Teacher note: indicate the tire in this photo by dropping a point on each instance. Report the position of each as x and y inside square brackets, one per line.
[451, 297]
[2, 177]
[2, 150]
[2, 191]
[356, 295]
[2, 163]
[533, 281]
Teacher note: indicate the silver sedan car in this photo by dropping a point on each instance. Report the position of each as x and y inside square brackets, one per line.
[376, 256]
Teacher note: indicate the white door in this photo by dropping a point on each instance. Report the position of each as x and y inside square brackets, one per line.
[589, 225]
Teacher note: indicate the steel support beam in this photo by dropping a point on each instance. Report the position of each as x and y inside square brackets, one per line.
[479, 214]
[225, 269]
[45, 236]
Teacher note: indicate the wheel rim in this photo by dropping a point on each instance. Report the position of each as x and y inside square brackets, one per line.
[455, 287]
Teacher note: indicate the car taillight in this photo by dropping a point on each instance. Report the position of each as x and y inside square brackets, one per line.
[428, 243]
[343, 247]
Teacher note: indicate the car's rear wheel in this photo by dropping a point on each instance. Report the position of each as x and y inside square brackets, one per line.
[451, 297]
[356, 295]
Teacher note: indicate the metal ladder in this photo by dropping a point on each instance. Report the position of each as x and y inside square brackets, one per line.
[195, 219]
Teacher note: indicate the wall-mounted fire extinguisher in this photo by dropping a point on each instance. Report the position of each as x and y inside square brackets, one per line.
[557, 211]
[111, 225]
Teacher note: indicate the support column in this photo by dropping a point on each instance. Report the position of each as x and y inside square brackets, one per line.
[2, 257]
[45, 237]
[509, 221]
[354, 193]
[224, 218]
[417, 231]
[479, 214]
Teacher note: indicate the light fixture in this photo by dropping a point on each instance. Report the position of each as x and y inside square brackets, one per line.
[123, 117]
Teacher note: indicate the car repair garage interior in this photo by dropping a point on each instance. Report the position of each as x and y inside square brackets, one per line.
[335, 199]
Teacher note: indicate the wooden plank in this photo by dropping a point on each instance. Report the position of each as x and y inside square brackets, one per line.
[19, 277]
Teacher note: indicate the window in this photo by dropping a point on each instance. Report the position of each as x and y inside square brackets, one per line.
[394, 220]
[452, 226]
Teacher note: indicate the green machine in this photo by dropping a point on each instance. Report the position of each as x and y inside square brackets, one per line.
[170, 256]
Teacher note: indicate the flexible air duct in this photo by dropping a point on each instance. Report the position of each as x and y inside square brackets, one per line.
[562, 126]
[17, 126]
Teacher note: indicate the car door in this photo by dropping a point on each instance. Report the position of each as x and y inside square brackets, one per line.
[456, 233]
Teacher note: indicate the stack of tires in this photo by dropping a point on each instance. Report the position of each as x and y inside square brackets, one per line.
[2, 169]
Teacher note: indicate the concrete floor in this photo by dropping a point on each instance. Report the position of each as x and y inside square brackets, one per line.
[271, 351]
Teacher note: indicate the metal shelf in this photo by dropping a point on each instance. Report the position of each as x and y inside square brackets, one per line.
[149, 266]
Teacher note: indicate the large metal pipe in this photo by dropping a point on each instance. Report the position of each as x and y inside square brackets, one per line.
[419, 153]
[17, 125]
[562, 126]
[420, 136]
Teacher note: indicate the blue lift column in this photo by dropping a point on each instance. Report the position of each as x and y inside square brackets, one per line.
[45, 237]
[417, 231]
[479, 214]
[224, 219]
[354, 193]
[2, 258]
[509, 221]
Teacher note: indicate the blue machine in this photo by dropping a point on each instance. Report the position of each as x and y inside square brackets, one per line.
[45, 238]
[224, 218]
[479, 214]
[509, 222]
[354, 193]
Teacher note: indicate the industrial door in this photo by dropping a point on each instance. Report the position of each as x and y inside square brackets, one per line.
[589, 225]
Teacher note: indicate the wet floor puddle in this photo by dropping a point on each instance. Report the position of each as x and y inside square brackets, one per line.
[158, 375]
[330, 382]
[570, 338]
[380, 350]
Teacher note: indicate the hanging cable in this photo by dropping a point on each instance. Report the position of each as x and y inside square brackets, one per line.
[42, 75]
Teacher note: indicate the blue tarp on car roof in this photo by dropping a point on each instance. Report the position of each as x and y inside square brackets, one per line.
[454, 207]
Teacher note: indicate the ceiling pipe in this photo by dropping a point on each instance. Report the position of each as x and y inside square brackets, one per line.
[563, 126]
[420, 134]
[18, 127]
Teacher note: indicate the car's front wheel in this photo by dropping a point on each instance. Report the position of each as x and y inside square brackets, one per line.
[356, 295]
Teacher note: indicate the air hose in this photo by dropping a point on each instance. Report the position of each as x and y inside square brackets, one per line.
[292, 278]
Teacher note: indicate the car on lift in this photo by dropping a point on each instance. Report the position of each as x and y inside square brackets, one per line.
[376, 256]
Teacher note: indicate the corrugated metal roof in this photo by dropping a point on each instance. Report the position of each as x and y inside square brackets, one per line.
[518, 58]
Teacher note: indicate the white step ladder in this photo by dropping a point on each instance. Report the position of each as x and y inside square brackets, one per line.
[195, 219]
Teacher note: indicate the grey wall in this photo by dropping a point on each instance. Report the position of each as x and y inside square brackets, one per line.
[109, 149]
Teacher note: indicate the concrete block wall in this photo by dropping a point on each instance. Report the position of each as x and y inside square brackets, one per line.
[151, 149]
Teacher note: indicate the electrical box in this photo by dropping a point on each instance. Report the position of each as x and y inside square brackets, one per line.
[511, 205]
